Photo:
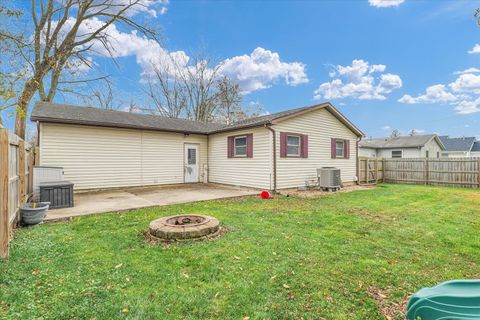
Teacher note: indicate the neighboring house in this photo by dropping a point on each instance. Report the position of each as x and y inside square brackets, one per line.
[106, 149]
[417, 146]
[458, 147]
[475, 152]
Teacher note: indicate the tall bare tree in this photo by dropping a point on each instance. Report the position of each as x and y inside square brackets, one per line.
[395, 133]
[229, 100]
[101, 95]
[11, 43]
[62, 32]
[167, 92]
[181, 90]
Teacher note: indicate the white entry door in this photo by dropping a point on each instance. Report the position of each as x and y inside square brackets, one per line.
[191, 163]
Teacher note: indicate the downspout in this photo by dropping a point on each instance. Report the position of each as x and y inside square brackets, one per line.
[357, 171]
[268, 126]
[36, 149]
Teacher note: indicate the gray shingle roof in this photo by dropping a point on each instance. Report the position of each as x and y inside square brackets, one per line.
[476, 146]
[457, 144]
[398, 142]
[62, 113]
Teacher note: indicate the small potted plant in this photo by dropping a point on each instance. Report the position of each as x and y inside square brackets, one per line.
[34, 212]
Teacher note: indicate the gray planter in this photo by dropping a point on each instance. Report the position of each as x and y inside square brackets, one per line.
[31, 215]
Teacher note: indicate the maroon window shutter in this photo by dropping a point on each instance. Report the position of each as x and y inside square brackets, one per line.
[250, 145]
[333, 148]
[304, 151]
[347, 149]
[283, 144]
[230, 146]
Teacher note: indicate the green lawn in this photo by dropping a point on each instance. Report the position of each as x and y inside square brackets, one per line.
[284, 258]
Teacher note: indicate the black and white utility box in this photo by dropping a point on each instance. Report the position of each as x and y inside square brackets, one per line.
[58, 193]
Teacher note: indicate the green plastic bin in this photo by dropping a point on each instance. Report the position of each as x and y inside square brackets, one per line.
[453, 300]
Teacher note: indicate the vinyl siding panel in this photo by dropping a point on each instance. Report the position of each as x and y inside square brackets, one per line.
[406, 152]
[367, 152]
[97, 157]
[249, 172]
[433, 147]
[320, 126]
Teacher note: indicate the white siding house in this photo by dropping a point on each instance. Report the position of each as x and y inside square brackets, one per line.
[99, 157]
[418, 146]
[321, 127]
[241, 171]
[100, 149]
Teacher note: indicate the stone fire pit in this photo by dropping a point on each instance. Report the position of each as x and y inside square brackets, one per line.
[184, 227]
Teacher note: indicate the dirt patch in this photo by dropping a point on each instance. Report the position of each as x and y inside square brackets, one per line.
[313, 193]
[371, 215]
[389, 309]
[475, 197]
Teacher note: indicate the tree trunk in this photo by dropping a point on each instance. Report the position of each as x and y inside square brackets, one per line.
[24, 100]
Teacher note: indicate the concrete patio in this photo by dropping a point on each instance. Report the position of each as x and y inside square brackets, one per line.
[133, 198]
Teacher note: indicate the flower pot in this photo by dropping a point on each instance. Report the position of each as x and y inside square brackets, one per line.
[34, 213]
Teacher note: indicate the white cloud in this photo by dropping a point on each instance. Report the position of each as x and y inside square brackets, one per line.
[466, 83]
[468, 106]
[387, 128]
[256, 71]
[434, 94]
[163, 10]
[385, 3]
[463, 94]
[469, 70]
[475, 49]
[359, 81]
[151, 7]
[418, 130]
[261, 69]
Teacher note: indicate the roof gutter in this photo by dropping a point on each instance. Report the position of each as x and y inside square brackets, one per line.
[111, 125]
[274, 154]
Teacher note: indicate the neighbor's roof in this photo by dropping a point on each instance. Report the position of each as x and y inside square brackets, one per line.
[62, 113]
[476, 146]
[458, 144]
[399, 142]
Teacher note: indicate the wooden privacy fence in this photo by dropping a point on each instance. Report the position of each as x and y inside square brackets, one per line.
[16, 168]
[458, 172]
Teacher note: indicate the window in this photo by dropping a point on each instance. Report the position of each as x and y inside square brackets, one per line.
[340, 148]
[293, 146]
[192, 156]
[397, 154]
[240, 146]
[438, 154]
[427, 154]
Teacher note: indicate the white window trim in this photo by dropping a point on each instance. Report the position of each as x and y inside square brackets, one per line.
[293, 145]
[235, 147]
[401, 154]
[336, 153]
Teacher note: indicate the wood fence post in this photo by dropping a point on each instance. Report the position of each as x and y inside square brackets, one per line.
[478, 175]
[367, 171]
[384, 163]
[31, 163]
[426, 171]
[4, 223]
[21, 171]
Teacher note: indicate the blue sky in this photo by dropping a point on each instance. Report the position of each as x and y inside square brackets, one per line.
[384, 63]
